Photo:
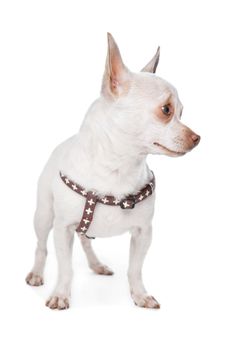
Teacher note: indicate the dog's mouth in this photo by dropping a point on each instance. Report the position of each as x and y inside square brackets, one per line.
[174, 153]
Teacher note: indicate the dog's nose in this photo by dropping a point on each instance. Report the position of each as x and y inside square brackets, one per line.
[196, 139]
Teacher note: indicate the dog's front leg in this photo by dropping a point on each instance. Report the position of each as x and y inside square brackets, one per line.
[63, 240]
[140, 242]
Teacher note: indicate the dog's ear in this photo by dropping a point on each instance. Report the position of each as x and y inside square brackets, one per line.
[116, 75]
[152, 65]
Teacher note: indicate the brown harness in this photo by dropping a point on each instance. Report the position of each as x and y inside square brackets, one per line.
[128, 202]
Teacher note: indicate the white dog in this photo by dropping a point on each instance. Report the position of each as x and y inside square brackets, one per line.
[137, 114]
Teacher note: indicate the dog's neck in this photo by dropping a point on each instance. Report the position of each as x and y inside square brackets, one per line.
[105, 157]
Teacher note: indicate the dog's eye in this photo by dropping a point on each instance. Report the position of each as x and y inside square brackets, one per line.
[167, 110]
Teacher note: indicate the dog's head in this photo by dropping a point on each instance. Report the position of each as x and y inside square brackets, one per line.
[145, 107]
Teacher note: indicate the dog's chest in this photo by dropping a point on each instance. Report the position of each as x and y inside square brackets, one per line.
[107, 220]
[110, 221]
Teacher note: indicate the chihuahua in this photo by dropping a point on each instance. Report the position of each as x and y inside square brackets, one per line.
[136, 114]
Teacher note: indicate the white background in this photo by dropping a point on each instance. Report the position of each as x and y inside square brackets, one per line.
[52, 57]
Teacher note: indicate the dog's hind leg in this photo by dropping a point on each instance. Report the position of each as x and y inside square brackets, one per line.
[43, 221]
[92, 259]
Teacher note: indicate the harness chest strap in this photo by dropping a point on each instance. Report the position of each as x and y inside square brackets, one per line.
[88, 213]
[92, 199]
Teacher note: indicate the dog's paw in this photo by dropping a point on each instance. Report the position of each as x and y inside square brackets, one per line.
[59, 303]
[34, 280]
[102, 270]
[146, 301]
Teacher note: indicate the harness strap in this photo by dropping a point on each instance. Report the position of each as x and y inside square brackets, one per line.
[88, 213]
[128, 202]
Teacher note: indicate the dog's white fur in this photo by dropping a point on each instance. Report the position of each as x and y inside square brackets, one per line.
[108, 155]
